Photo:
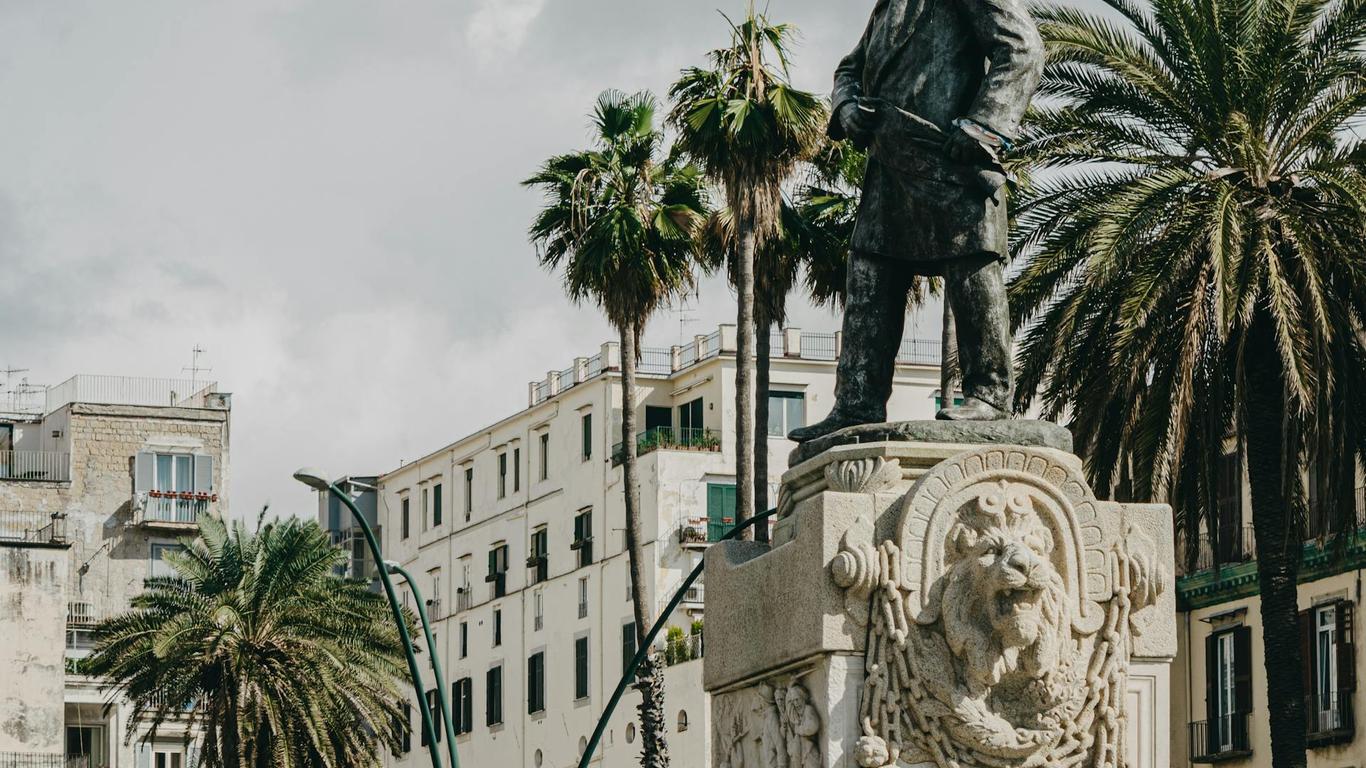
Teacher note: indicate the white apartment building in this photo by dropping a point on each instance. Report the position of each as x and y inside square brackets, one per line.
[99, 478]
[516, 535]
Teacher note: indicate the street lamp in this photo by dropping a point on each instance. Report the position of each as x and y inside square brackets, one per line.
[317, 480]
[393, 567]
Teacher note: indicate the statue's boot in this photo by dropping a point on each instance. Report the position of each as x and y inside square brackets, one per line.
[972, 409]
[832, 423]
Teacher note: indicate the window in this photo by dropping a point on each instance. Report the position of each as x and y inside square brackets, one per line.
[628, 645]
[497, 627]
[436, 505]
[469, 493]
[434, 708]
[1229, 491]
[1228, 695]
[493, 696]
[545, 455]
[786, 412]
[434, 601]
[407, 745]
[586, 432]
[160, 569]
[720, 510]
[581, 668]
[690, 420]
[682, 720]
[462, 700]
[405, 524]
[583, 537]
[516, 469]
[498, 566]
[426, 511]
[464, 639]
[535, 683]
[464, 596]
[86, 741]
[167, 758]
[538, 611]
[163, 477]
[502, 475]
[1330, 665]
[583, 597]
[539, 559]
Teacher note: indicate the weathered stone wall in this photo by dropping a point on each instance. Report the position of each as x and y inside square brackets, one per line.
[33, 603]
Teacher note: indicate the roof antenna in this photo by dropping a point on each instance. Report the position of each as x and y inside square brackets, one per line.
[194, 370]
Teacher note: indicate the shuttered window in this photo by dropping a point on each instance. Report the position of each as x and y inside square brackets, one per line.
[462, 698]
[535, 683]
[493, 704]
[1329, 659]
[581, 668]
[1228, 689]
[720, 510]
[628, 645]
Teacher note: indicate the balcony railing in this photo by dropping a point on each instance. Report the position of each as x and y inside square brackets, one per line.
[693, 532]
[129, 390]
[34, 526]
[31, 760]
[1237, 546]
[172, 507]
[681, 648]
[695, 594]
[463, 599]
[50, 466]
[1223, 738]
[1329, 718]
[80, 613]
[669, 438]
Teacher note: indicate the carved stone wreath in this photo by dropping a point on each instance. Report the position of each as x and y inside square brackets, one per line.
[999, 617]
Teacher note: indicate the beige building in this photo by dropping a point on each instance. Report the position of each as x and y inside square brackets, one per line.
[516, 533]
[1219, 691]
[99, 478]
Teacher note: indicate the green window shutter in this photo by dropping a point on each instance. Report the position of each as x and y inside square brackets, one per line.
[720, 510]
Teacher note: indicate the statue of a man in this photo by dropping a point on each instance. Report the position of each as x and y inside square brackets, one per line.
[934, 90]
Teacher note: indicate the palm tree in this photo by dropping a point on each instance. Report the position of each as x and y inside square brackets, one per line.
[622, 223]
[1192, 268]
[745, 124]
[254, 638]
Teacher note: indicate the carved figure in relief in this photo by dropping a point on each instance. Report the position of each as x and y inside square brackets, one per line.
[803, 725]
[999, 635]
[772, 739]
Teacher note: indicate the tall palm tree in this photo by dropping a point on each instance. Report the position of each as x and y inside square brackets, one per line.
[621, 220]
[745, 124]
[254, 638]
[1192, 268]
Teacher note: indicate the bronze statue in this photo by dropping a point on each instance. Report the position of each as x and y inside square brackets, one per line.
[935, 91]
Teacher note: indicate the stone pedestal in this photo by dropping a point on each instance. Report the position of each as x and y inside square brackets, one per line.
[942, 602]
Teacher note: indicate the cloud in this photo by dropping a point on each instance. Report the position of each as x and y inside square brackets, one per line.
[498, 27]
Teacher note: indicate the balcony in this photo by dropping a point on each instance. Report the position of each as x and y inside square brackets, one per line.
[130, 390]
[695, 597]
[498, 584]
[33, 527]
[31, 760]
[1236, 546]
[463, 599]
[1227, 739]
[80, 613]
[680, 648]
[1329, 718]
[37, 466]
[671, 439]
[171, 509]
[692, 533]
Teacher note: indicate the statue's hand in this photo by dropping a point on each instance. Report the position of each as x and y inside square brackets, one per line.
[963, 148]
[859, 119]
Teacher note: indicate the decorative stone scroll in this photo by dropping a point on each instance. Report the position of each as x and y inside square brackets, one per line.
[1000, 617]
[773, 724]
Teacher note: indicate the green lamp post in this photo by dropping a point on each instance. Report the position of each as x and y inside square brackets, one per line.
[394, 567]
[317, 480]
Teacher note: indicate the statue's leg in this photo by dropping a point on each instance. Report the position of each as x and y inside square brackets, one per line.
[977, 294]
[874, 316]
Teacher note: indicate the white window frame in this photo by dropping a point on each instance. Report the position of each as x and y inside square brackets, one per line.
[1326, 659]
[1226, 694]
[173, 757]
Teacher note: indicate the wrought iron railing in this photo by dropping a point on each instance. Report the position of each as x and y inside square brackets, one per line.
[1234, 546]
[1220, 739]
[174, 507]
[31, 760]
[33, 526]
[35, 465]
[1329, 717]
[670, 438]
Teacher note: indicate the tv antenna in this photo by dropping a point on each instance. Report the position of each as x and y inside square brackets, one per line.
[193, 369]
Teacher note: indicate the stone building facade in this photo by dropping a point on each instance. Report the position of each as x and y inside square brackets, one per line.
[95, 490]
[516, 533]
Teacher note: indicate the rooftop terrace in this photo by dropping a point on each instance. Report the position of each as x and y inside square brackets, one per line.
[38, 401]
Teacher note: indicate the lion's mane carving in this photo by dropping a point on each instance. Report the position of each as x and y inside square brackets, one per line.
[998, 626]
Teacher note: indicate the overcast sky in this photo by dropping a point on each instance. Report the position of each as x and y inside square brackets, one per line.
[324, 195]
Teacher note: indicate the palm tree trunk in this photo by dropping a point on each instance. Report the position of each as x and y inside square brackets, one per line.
[1278, 541]
[763, 352]
[948, 357]
[744, 374]
[654, 750]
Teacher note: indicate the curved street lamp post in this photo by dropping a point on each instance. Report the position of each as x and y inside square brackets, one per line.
[315, 479]
[394, 567]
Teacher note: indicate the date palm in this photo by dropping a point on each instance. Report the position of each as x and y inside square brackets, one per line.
[621, 220]
[1193, 271]
[741, 119]
[254, 638]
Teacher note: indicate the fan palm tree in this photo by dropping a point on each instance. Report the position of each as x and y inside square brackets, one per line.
[621, 221]
[254, 638]
[744, 123]
[1192, 268]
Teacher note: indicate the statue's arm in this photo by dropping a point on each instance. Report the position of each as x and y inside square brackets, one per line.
[849, 80]
[1015, 56]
